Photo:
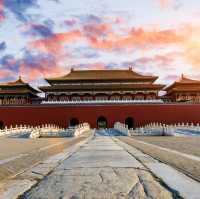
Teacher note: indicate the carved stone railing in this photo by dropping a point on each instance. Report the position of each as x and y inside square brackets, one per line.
[18, 129]
[169, 130]
[47, 130]
[79, 129]
[122, 128]
[105, 102]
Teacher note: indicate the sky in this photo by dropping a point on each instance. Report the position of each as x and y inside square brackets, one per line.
[46, 38]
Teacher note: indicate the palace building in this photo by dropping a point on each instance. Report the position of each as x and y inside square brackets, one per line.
[17, 92]
[88, 85]
[183, 90]
[100, 98]
[94, 86]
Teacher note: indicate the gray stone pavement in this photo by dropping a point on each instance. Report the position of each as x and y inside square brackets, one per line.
[185, 186]
[192, 157]
[12, 148]
[100, 169]
[17, 185]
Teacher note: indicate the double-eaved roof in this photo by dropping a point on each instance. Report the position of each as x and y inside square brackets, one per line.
[109, 80]
[99, 75]
[17, 87]
[184, 85]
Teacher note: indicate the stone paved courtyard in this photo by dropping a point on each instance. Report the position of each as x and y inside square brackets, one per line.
[101, 166]
[16, 155]
[100, 169]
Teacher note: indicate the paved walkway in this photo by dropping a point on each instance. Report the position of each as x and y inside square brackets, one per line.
[17, 155]
[192, 157]
[184, 186]
[14, 147]
[100, 169]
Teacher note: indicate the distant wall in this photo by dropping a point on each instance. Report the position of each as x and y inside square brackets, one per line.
[62, 114]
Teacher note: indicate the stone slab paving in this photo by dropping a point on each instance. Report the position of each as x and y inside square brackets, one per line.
[184, 185]
[187, 187]
[16, 186]
[100, 169]
[193, 157]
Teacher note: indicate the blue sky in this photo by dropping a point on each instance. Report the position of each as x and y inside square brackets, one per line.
[45, 38]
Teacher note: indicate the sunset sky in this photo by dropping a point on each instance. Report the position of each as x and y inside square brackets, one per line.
[45, 38]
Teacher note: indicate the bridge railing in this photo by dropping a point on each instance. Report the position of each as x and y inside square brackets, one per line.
[80, 129]
[47, 130]
[15, 130]
[169, 130]
[122, 128]
[160, 129]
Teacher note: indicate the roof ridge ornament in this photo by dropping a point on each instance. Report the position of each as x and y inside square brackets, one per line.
[130, 68]
[19, 80]
[182, 77]
[72, 69]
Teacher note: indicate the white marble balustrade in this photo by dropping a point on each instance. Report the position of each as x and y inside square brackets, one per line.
[18, 129]
[47, 130]
[157, 101]
[160, 129]
[81, 128]
[122, 128]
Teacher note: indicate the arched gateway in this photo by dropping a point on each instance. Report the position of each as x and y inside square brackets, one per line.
[73, 122]
[130, 122]
[101, 122]
[1, 125]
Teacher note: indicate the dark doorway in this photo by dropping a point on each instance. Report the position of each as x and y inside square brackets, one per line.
[1, 125]
[130, 122]
[101, 123]
[73, 122]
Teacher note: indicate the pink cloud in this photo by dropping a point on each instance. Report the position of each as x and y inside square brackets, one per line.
[2, 16]
[136, 38]
[103, 36]
[119, 20]
[56, 42]
[172, 77]
[175, 4]
[159, 60]
[96, 30]
[5, 73]
[191, 45]
[42, 70]
[92, 66]
[165, 3]
[70, 22]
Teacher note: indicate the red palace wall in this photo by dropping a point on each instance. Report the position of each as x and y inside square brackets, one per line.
[61, 114]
